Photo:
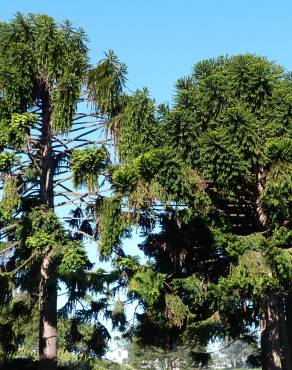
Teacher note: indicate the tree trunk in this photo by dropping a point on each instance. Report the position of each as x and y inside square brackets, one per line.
[270, 335]
[284, 334]
[287, 338]
[48, 282]
[48, 316]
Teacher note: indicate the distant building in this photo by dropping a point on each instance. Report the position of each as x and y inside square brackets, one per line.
[117, 355]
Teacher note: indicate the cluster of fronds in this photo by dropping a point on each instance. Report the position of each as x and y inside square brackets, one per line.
[86, 166]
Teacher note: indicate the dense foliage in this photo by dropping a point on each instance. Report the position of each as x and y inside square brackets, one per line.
[207, 181]
[211, 189]
[53, 158]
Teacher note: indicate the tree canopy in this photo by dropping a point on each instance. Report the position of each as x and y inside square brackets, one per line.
[209, 183]
[54, 157]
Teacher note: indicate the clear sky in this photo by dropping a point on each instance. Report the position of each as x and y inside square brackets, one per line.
[160, 40]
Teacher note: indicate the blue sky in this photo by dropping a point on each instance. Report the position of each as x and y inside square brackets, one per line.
[160, 40]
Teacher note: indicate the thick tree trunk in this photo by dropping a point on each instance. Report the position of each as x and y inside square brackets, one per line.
[270, 336]
[284, 334]
[48, 316]
[48, 282]
[288, 326]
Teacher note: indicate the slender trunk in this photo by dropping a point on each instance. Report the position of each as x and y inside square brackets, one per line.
[48, 283]
[48, 316]
[270, 336]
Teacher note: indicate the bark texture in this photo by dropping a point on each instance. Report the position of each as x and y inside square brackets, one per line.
[48, 281]
[270, 335]
[288, 327]
[48, 317]
[284, 335]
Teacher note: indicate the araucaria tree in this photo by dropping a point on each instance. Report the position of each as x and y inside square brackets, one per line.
[49, 150]
[209, 182]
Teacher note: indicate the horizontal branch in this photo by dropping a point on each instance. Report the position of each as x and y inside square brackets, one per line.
[60, 181]
[82, 233]
[78, 218]
[13, 272]
[3, 251]
[71, 201]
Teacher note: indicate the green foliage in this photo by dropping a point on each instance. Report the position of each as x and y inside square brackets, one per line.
[180, 130]
[138, 127]
[251, 275]
[244, 129]
[40, 226]
[118, 316]
[40, 240]
[13, 133]
[147, 284]
[113, 225]
[7, 160]
[222, 163]
[176, 310]
[10, 200]
[85, 339]
[44, 73]
[213, 175]
[39, 55]
[43, 231]
[277, 195]
[279, 149]
[74, 258]
[86, 165]
[253, 79]
[15, 323]
[190, 285]
[280, 255]
[238, 245]
[154, 358]
[207, 173]
[158, 175]
[31, 174]
[65, 99]
[106, 82]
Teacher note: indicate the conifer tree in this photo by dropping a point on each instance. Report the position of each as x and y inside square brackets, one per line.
[214, 174]
[53, 158]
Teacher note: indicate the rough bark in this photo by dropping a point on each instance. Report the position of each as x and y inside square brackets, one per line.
[48, 283]
[288, 327]
[271, 323]
[48, 316]
[284, 335]
[270, 335]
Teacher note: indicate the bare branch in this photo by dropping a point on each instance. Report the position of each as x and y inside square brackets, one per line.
[83, 233]
[60, 181]
[3, 251]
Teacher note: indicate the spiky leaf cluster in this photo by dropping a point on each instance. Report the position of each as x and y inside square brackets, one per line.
[15, 129]
[229, 130]
[44, 75]
[138, 116]
[86, 165]
[10, 199]
[38, 55]
[113, 224]
[106, 82]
